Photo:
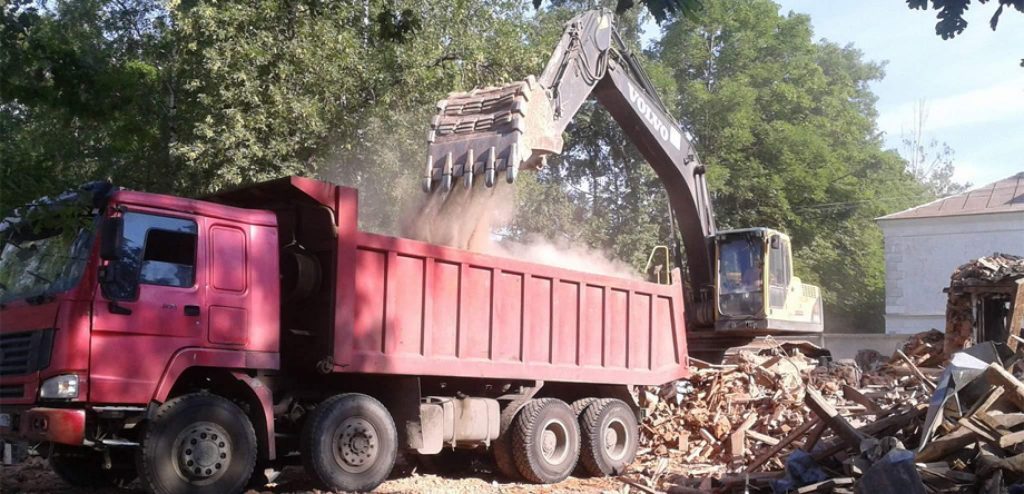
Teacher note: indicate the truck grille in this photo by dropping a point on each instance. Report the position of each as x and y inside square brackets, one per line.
[22, 353]
[12, 390]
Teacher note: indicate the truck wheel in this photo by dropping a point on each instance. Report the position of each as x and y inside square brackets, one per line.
[578, 407]
[83, 467]
[545, 441]
[198, 443]
[349, 443]
[581, 404]
[609, 432]
[503, 458]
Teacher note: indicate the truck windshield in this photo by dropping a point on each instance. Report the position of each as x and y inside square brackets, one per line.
[37, 261]
[740, 268]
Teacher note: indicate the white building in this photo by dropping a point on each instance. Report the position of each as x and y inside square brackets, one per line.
[923, 245]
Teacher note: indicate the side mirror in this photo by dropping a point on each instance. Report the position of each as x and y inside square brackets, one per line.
[110, 239]
[775, 242]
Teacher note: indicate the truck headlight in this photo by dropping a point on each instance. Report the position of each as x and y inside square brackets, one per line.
[60, 387]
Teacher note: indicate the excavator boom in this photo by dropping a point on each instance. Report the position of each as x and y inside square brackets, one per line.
[495, 132]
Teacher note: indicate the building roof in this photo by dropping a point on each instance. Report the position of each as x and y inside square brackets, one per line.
[1003, 196]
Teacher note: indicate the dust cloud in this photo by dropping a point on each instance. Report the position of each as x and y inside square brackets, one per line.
[468, 219]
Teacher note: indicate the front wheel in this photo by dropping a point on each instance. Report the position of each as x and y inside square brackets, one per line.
[349, 443]
[198, 443]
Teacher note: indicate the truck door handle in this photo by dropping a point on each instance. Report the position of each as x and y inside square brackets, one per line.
[192, 310]
[118, 309]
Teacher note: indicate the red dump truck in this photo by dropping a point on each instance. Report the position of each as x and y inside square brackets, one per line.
[192, 343]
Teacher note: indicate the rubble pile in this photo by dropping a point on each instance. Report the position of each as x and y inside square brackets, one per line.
[771, 421]
[997, 278]
[994, 269]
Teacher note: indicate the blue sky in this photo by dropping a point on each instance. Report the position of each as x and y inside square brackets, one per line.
[972, 86]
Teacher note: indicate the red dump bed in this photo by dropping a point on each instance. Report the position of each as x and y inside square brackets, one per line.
[407, 307]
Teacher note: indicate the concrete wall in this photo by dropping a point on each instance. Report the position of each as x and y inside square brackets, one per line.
[921, 254]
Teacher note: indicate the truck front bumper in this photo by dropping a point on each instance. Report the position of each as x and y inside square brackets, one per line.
[40, 424]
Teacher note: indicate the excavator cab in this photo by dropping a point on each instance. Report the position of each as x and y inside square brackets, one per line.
[756, 291]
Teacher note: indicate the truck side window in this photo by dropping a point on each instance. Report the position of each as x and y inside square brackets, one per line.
[162, 248]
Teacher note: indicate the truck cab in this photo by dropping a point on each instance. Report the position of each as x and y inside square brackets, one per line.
[110, 298]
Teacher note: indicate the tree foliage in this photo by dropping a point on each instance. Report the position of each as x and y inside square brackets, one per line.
[192, 96]
[787, 129]
[951, 14]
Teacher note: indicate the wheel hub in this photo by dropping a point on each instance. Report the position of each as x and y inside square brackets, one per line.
[554, 442]
[204, 451]
[356, 445]
[616, 439]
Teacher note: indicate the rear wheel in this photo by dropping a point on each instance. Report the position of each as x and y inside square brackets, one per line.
[581, 404]
[545, 441]
[83, 467]
[503, 458]
[350, 443]
[198, 443]
[609, 434]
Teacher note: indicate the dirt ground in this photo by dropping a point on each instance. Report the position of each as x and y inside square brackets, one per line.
[34, 476]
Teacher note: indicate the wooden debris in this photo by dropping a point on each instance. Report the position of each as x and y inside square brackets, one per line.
[736, 426]
[925, 380]
[828, 413]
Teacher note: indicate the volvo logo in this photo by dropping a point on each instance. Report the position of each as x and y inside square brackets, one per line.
[665, 131]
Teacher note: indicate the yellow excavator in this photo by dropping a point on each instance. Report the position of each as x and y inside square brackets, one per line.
[741, 281]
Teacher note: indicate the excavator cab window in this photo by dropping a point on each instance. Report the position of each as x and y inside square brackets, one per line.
[779, 271]
[741, 275]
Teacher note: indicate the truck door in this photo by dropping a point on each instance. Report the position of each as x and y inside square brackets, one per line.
[227, 293]
[151, 305]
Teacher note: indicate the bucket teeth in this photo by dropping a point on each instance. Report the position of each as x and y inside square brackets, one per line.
[489, 170]
[512, 167]
[428, 178]
[446, 175]
[467, 169]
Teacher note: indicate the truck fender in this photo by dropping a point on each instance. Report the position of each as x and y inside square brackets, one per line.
[266, 401]
[515, 402]
[208, 357]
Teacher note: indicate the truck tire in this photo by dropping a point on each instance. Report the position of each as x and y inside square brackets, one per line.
[83, 467]
[545, 441]
[610, 436]
[198, 443]
[581, 404]
[503, 458]
[578, 407]
[349, 443]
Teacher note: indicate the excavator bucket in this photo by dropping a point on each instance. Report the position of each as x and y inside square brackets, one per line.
[491, 132]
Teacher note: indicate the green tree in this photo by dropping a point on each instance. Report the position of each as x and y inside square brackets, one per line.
[787, 129]
[190, 97]
[79, 94]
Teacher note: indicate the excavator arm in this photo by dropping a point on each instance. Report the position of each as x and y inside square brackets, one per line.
[498, 131]
[741, 281]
